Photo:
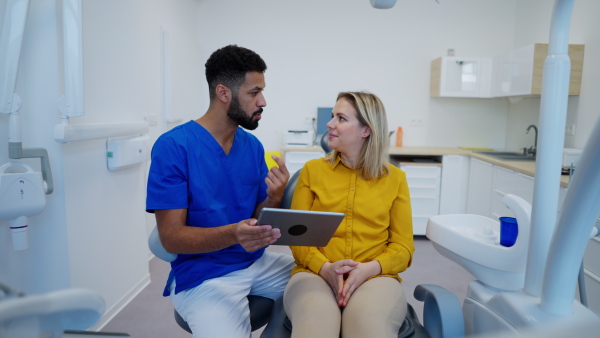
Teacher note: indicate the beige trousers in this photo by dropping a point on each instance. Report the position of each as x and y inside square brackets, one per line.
[376, 309]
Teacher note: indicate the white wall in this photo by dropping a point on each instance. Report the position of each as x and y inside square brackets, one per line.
[93, 231]
[45, 265]
[533, 26]
[315, 49]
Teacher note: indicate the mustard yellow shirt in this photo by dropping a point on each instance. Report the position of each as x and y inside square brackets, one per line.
[378, 222]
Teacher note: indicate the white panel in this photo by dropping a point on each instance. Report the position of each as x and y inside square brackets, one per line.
[480, 187]
[454, 185]
[591, 258]
[73, 59]
[10, 50]
[420, 225]
[65, 133]
[294, 160]
[592, 286]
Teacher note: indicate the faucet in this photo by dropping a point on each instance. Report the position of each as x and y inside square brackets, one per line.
[533, 149]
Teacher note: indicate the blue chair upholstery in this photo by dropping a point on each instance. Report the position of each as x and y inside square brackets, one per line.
[324, 143]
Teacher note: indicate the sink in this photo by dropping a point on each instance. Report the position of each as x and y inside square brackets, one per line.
[472, 241]
[508, 155]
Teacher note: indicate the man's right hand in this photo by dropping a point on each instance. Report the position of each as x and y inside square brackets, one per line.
[253, 237]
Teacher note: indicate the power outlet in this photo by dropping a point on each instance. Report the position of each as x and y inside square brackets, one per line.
[570, 129]
[309, 120]
[416, 122]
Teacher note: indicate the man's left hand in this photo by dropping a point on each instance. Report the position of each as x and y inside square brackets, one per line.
[277, 179]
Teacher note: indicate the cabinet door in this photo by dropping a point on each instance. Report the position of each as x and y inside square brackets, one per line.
[501, 78]
[460, 77]
[480, 187]
[509, 182]
[294, 160]
[455, 181]
[521, 70]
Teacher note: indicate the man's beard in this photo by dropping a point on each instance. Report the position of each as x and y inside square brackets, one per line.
[239, 116]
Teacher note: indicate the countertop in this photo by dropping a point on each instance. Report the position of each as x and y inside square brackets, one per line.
[524, 167]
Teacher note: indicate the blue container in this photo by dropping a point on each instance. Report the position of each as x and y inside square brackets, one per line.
[509, 230]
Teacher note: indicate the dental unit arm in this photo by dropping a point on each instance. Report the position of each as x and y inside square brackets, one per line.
[49, 314]
[10, 52]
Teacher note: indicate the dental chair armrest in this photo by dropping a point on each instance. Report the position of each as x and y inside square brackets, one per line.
[157, 248]
[442, 313]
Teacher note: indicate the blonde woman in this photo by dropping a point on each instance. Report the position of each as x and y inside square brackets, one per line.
[352, 285]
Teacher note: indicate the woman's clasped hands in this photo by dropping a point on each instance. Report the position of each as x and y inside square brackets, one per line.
[346, 275]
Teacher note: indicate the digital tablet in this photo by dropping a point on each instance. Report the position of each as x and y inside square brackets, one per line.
[301, 227]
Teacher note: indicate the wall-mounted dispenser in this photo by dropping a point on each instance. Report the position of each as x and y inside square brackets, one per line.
[124, 152]
[22, 194]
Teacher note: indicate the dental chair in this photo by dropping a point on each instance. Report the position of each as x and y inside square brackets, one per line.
[442, 313]
[260, 307]
[325, 143]
[62, 313]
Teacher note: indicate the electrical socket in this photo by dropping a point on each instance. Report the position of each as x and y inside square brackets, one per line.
[570, 129]
[417, 122]
[309, 119]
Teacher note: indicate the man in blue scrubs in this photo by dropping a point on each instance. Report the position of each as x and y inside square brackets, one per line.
[208, 182]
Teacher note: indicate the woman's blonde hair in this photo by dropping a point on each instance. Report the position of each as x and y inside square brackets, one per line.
[373, 156]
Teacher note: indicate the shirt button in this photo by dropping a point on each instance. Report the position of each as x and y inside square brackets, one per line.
[352, 188]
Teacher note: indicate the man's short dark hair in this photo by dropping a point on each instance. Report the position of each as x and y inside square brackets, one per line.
[228, 66]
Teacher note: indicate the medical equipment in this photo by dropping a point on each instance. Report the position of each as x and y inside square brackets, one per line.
[49, 314]
[21, 195]
[71, 104]
[10, 52]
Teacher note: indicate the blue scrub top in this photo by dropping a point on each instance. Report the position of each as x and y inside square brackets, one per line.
[190, 170]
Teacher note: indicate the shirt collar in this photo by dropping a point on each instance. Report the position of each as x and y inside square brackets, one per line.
[338, 160]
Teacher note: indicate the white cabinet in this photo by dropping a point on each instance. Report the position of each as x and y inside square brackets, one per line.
[424, 185]
[453, 76]
[591, 265]
[294, 160]
[514, 73]
[481, 177]
[509, 182]
[488, 184]
[519, 72]
[454, 186]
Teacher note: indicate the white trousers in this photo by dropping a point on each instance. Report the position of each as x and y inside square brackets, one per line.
[219, 307]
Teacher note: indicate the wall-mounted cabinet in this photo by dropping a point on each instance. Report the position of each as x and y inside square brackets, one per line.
[515, 73]
[460, 77]
[519, 72]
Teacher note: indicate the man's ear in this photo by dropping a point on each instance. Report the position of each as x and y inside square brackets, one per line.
[223, 93]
